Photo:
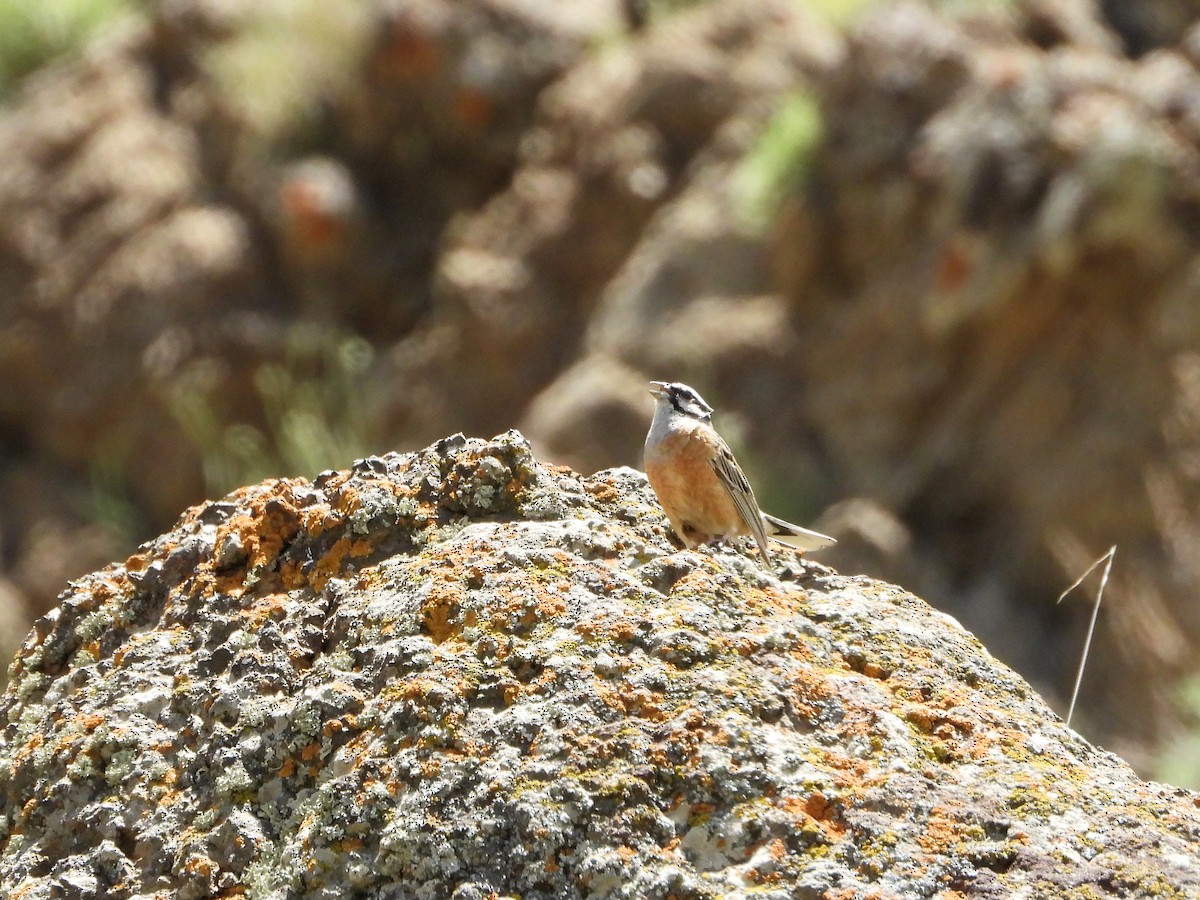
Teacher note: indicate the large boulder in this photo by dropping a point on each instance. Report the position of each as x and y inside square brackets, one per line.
[463, 673]
[937, 272]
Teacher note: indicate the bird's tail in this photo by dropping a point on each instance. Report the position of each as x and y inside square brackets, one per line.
[794, 535]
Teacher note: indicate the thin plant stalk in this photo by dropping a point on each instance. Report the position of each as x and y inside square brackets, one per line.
[1107, 559]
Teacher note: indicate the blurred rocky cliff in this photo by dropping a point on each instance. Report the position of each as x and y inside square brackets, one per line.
[934, 264]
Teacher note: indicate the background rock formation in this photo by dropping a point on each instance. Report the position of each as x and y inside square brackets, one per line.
[935, 269]
[462, 673]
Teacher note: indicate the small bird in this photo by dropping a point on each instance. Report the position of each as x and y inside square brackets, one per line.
[700, 485]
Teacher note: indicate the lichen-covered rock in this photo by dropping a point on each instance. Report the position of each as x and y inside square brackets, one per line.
[461, 673]
[963, 298]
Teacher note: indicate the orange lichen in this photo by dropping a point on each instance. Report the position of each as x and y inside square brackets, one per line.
[645, 704]
[27, 750]
[315, 520]
[850, 771]
[547, 679]
[200, 865]
[550, 604]
[510, 693]
[603, 491]
[440, 609]
[332, 563]
[817, 810]
[858, 720]
[106, 588]
[336, 726]
[934, 721]
[271, 607]
[615, 628]
[944, 832]
[779, 602]
[873, 670]
[170, 797]
[811, 691]
[274, 518]
[610, 697]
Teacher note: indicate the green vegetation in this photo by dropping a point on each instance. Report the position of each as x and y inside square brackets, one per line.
[1180, 762]
[656, 10]
[781, 161]
[287, 58]
[33, 32]
[110, 501]
[840, 12]
[313, 410]
[844, 12]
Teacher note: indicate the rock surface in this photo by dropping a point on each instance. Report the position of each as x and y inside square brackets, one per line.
[462, 673]
[936, 267]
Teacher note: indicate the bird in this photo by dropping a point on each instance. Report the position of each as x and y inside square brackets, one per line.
[698, 482]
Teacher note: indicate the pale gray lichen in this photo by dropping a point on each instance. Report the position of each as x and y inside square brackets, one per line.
[434, 690]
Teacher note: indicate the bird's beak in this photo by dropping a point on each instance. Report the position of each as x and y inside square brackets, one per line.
[659, 388]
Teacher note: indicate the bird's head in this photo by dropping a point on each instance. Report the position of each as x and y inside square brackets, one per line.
[681, 398]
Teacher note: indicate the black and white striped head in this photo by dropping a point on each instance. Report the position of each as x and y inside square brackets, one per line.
[682, 399]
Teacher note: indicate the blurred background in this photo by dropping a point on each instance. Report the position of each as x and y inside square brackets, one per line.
[936, 265]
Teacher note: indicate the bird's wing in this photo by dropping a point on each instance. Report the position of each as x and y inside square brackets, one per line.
[730, 474]
[795, 536]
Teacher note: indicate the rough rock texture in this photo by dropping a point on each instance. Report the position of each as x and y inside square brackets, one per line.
[958, 322]
[462, 673]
